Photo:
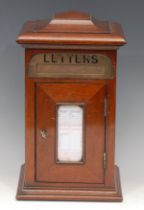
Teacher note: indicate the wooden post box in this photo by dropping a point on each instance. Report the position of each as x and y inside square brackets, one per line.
[70, 81]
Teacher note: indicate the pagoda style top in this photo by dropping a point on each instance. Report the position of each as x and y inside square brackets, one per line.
[71, 28]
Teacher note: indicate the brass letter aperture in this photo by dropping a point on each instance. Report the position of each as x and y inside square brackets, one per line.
[71, 65]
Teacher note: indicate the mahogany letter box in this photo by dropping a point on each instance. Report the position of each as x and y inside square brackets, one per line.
[70, 81]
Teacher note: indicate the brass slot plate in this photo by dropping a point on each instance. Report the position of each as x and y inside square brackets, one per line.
[70, 65]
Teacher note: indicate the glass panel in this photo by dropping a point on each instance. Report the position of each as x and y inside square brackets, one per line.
[70, 133]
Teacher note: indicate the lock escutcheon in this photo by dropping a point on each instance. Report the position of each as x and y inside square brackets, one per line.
[43, 133]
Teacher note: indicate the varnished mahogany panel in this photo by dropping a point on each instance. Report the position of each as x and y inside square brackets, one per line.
[92, 97]
[30, 172]
[72, 28]
[70, 194]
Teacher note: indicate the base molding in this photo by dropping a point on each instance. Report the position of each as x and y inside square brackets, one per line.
[94, 194]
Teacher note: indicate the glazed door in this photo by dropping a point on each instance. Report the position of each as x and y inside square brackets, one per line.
[70, 132]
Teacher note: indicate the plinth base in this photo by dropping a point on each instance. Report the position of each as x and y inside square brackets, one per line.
[94, 194]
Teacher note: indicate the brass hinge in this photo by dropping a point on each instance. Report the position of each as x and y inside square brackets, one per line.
[105, 107]
[104, 160]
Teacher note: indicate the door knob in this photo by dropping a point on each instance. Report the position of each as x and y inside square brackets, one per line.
[43, 133]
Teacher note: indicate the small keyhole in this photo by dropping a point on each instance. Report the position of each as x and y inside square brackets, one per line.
[43, 133]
